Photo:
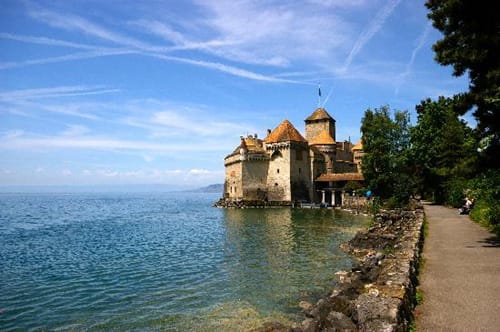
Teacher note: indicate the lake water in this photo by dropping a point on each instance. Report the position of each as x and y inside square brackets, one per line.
[161, 261]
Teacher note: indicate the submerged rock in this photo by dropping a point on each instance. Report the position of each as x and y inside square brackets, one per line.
[376, 295]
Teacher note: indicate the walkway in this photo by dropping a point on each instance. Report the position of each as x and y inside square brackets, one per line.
[460, 281]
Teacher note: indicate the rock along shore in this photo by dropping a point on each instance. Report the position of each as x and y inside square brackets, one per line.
[378, 293]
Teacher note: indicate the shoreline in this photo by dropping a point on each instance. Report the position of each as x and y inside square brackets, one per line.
[378, 293]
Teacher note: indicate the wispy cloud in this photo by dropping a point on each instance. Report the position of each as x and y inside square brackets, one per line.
[235, 71]
[98, 143]
[75, 130]
[77, 23]
[67, 57]
[371, 29]
[420, 42]
[54, 92]
[168, 120]
[189, 176]
[27, 101]
[47, 41]
[274, 34]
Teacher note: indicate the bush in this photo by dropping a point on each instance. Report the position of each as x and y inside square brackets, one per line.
[486, 192]
[456, 192]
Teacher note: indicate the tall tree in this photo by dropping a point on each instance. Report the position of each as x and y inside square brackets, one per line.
[385, 143]
[471, 44]
[443, 147]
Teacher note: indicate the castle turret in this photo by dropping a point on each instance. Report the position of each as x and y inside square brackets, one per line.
[327, 146]
[243, 149]
[318, 122]
[289, 173]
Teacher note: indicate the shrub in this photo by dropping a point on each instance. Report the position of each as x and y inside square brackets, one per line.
[486, 192]
[456, 192]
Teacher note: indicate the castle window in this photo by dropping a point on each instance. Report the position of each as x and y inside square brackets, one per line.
[278, 171]
[299, 170]
[275, 184]
[276, 154]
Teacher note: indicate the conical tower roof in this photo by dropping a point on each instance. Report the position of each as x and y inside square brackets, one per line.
[324, 138]
[285, 132]
[319, 114]
[358, 146]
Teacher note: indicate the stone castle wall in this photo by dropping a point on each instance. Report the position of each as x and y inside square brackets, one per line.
[255, 179]
[278, 176]
[313, 129]
[233, 185]
[300, 174]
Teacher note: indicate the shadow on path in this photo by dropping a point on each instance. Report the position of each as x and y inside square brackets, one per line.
[491, 242]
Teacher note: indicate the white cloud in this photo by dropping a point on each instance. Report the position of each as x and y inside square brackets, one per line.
[339, 3]
[76, 23]
[183, 177]
[60, 91]
[107, 173]
[75, 130]
[196, 171]
[12, 134]
[148, 158]
[68, 57]
[172, 119]
[373, 27]
[47, 41]
[274, 34]
[419, 44]
[66, 172]
[101, 143]
[246, 32]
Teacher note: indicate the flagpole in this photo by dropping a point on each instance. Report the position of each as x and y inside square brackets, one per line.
[319, 95]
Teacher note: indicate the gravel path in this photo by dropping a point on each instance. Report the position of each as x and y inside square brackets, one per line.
[460, 280]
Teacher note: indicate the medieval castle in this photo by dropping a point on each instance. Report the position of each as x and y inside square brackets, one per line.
[285, 167]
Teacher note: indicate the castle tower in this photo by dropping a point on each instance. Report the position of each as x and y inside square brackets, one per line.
[327, 146]
[289, 173]
[318, 122]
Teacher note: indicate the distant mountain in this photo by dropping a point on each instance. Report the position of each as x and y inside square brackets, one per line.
[213, 188]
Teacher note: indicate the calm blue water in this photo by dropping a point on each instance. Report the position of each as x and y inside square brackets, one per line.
[161, 262]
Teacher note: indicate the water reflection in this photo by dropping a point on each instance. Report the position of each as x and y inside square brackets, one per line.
[276, 257]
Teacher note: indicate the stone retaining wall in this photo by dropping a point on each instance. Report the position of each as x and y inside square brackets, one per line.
[378, 293]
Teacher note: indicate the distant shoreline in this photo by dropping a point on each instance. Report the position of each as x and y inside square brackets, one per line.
[134, 188]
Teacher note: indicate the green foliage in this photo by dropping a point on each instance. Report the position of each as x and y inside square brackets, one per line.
[442, 150]
[419, 297]
[354, 185]
[376, 205]
[485, 189]
[471, 44]
[456, 189]
[385, 162]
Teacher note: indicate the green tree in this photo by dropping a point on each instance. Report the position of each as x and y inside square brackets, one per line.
[385, 163]
[442, 150]
[471, 44]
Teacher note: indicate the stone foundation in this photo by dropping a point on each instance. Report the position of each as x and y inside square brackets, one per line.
[377, 294]
[240, 203]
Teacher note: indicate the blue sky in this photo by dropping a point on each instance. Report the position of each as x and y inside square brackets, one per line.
[158, 92]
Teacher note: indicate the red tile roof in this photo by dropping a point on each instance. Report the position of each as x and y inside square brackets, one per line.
[358, 146]
[285, 132]
[322, 139]
[319, 114]
[334, 177]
